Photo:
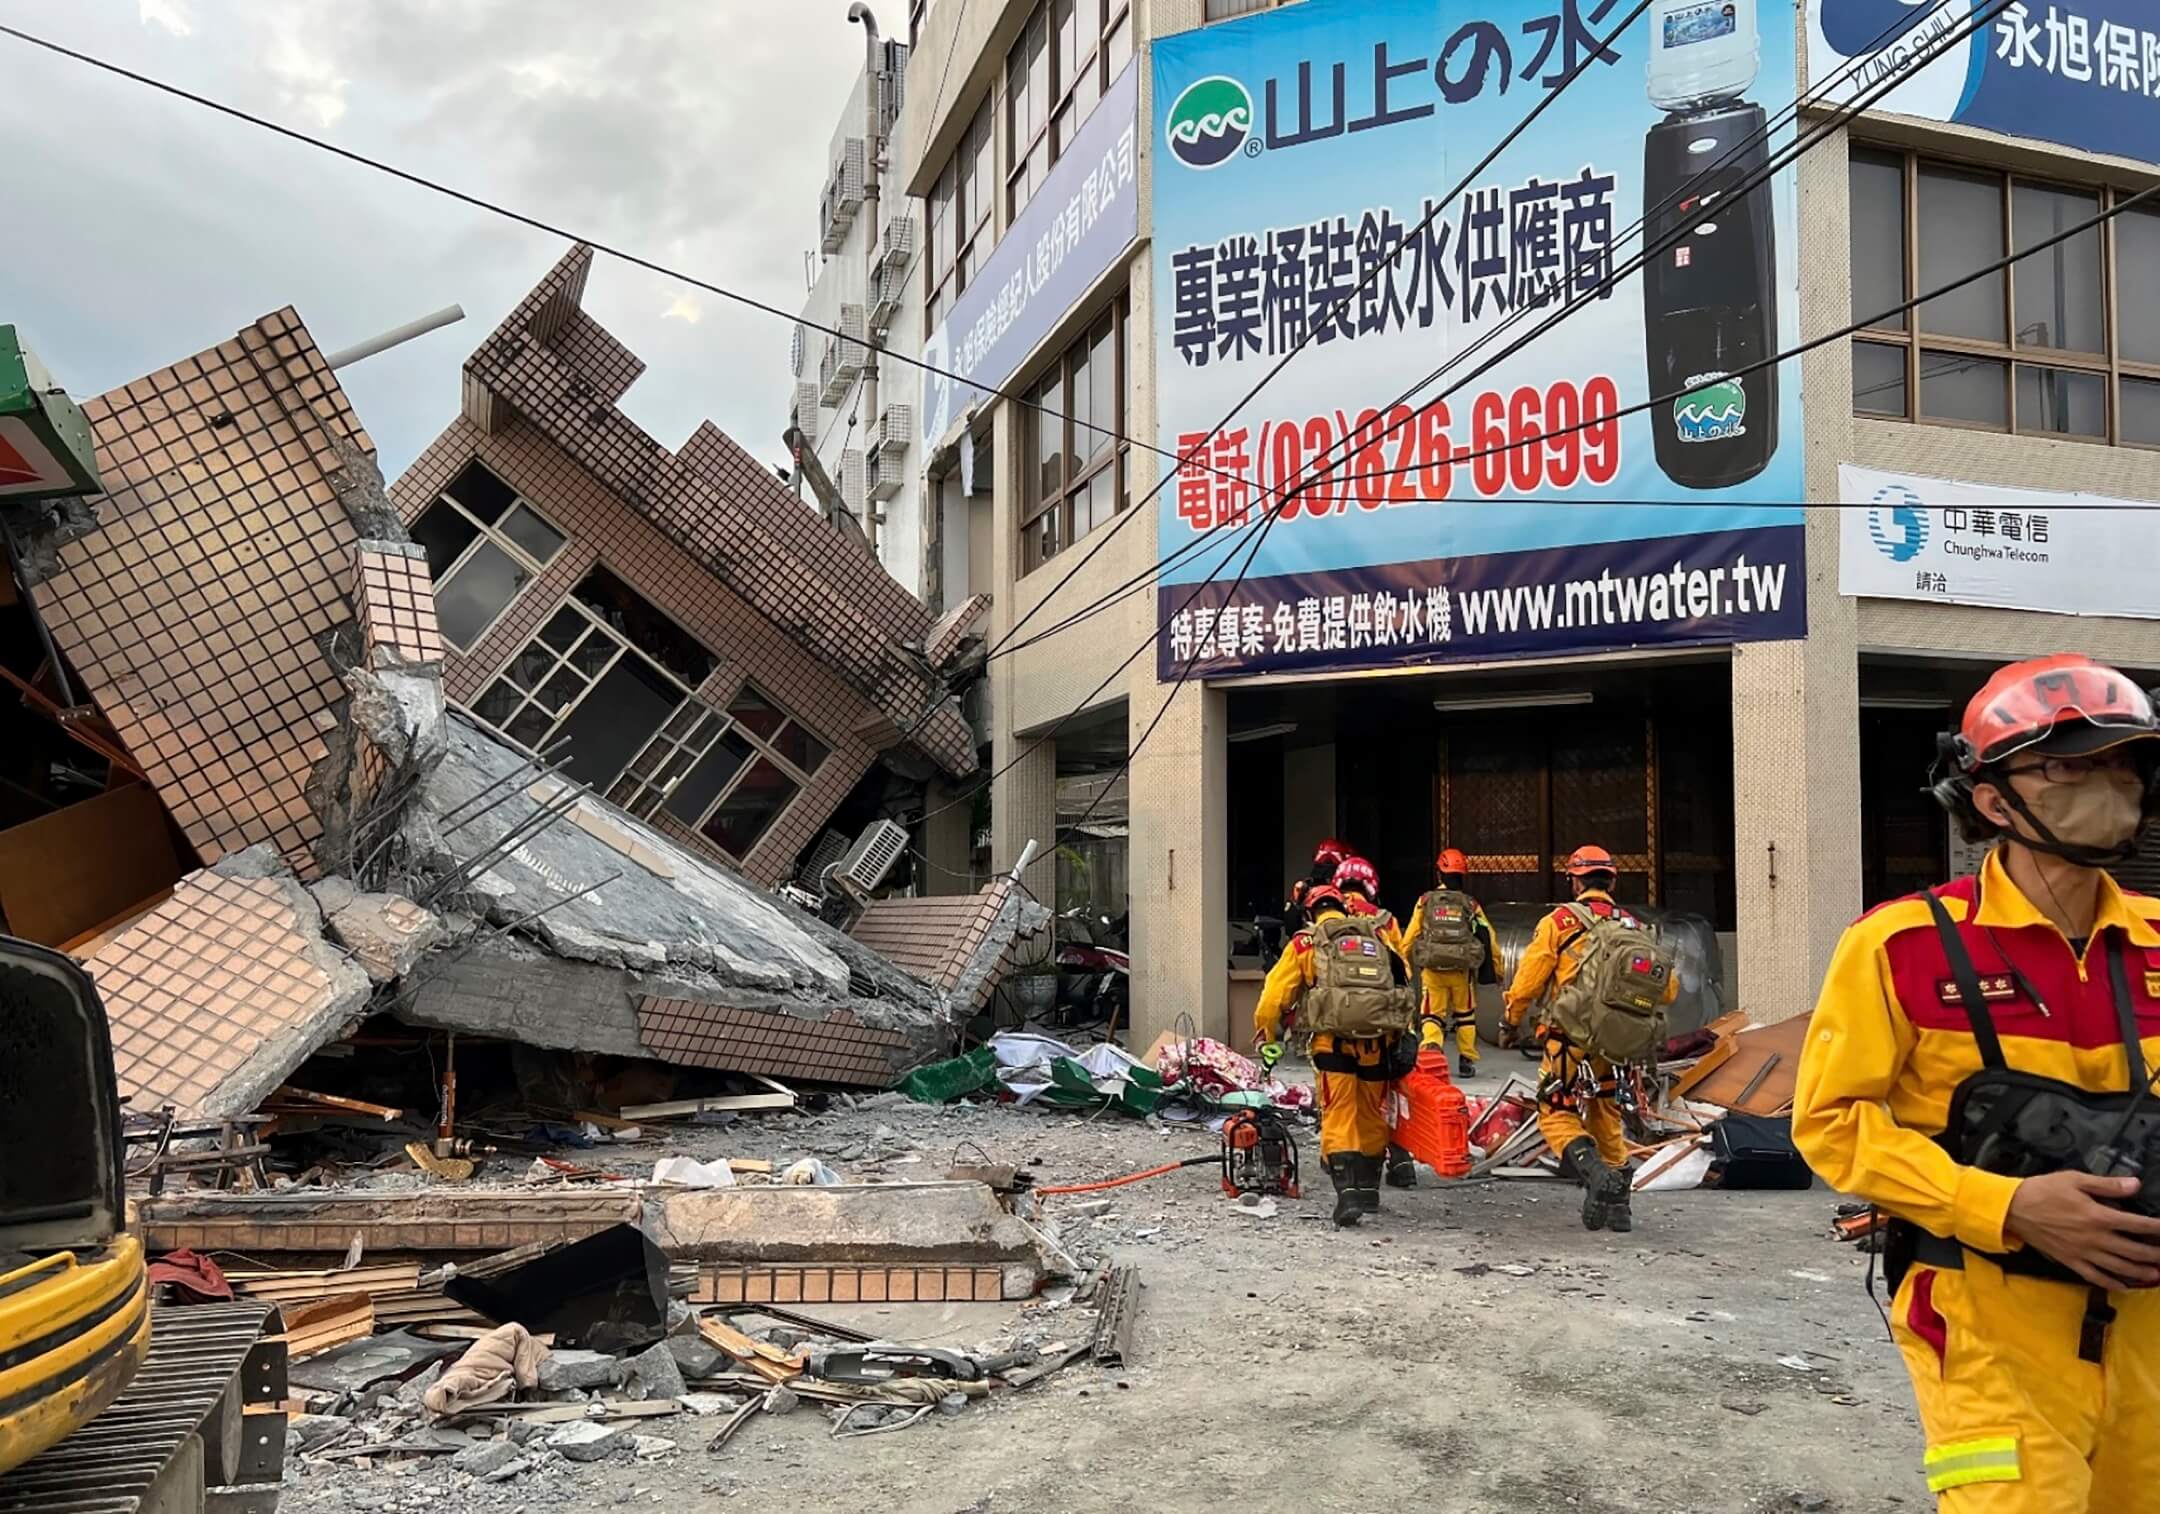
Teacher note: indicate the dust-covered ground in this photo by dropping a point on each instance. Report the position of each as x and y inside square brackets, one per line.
[1474, 1349]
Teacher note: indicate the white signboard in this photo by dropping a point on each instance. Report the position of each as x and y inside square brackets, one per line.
[1907, 536]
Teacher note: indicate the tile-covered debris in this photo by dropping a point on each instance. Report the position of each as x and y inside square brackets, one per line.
[215, 996]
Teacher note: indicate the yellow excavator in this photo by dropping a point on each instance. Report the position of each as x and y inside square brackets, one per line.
[108, 1404]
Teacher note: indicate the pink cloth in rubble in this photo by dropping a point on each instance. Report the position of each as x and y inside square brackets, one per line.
[1216, 1070]
[506, 1357]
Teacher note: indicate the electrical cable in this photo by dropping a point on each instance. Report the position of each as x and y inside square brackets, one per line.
[1590, 55]
[1213, 1159]
[1770, 168]
[1356, 440]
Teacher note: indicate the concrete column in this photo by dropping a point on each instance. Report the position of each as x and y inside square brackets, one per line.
[947, 835]
[1023, 808]
[1179, 862]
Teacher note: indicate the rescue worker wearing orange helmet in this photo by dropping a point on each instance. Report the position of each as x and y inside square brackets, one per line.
[1578, 1094]
[1458, 930]
[1352, 1072]
[1977, 1066]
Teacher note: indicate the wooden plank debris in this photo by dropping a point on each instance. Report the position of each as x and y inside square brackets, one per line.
[313, 1328]
[767, 1361]
[719, 1103]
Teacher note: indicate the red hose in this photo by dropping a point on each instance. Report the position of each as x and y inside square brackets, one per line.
[1130, 1177]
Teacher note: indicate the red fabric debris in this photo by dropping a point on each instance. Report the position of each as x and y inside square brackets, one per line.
[194, 1278]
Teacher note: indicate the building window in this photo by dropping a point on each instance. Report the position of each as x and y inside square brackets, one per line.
[1067, 57]
[1075, 472]
[961, 235]
[2065, 343]
[483, 544]
[727, 776]
[606, 672]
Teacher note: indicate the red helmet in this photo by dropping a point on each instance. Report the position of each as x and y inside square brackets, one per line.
[1451, 861]
[1357, 873]
[1585, 860]
[1330, 851]
[2075, 705]
[1324, 895]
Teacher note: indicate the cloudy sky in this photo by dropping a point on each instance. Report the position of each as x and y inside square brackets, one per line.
[142, 228]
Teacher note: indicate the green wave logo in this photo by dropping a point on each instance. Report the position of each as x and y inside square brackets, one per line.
[1209, 122]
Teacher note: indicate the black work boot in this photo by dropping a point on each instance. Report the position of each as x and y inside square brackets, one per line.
[1401, 1168]
[1342, 1170]
[1469, 1067]
[1582, 1163]
[1619, 1211]
[1369, 1170]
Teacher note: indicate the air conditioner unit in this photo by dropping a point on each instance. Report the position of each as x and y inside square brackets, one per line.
[892, 87]
[888, 284]
[822, 859]
[854, 482]
[896, 243]
[894, 432]
[843, 196]
[809, 405]
[871, 858]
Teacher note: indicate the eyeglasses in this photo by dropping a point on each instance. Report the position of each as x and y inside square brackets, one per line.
[2075, 769]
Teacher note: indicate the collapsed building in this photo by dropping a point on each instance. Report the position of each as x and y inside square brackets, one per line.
[514, 752]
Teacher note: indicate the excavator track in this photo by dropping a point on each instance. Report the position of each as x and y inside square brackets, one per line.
[201, 1429]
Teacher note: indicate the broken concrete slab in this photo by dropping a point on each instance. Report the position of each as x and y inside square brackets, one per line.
[422, 1219]
[942, 1225]
[387, 933]
[608, 913]
[654, 1374]
[587, 1441]
[567, 1369]
[219, 993]
[362, 1364]
[695, 1357]
[488, 1456]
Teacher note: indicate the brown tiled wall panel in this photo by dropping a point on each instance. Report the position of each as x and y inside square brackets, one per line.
[195, 612]
[822, 588]
[603, 362]
[835, 1050]
[846, 1283]
[196, 985]
[602, 528]
[395, 599]
[933, 938]
[953, 627]
[381, 1235]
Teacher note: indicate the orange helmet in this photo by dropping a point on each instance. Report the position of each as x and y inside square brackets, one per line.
[1323, 896]
[1585, 860]
[1451, 861]
[2030, 702]
[1357, 873]
[1331, 852]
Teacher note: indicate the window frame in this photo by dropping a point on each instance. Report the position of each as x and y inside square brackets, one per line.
[500, 539]
[969, 213]
[1058, 90]
[641, 791]
[530, 697]
[1069, 364]
[1914, 345]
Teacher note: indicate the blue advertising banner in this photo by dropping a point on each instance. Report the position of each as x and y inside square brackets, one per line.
[1296, 152]
[2084, 73]
[1082, 219]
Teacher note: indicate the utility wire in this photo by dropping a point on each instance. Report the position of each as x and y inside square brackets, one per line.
[1358, 440]
[1582, 65]
[1845, 332]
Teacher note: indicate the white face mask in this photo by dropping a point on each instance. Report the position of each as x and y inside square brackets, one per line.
[2102, 811]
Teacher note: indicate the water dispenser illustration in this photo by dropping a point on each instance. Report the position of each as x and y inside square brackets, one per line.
[1710, 299]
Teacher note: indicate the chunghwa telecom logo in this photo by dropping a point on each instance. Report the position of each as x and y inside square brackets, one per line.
[1209, 122]
[1897, 523]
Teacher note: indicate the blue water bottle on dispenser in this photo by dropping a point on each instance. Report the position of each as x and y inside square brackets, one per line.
[1710, 299]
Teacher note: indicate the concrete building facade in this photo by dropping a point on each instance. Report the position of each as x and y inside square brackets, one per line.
[1772, 787]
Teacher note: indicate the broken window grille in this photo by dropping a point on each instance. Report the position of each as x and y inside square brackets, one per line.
[483, 544]
[729, 776]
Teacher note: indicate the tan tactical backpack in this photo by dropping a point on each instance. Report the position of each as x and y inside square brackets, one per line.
[1614, 1005]
[1354, 992]
[1447, 940]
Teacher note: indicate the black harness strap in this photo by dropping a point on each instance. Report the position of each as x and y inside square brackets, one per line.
[1967, 978]
[2126, 1012]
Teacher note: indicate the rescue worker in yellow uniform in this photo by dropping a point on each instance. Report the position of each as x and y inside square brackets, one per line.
[1578, 1115]
[1449, 1006]
[2025, 1275]
[1326, 857]
[1358, 881]
[1352, 1073]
